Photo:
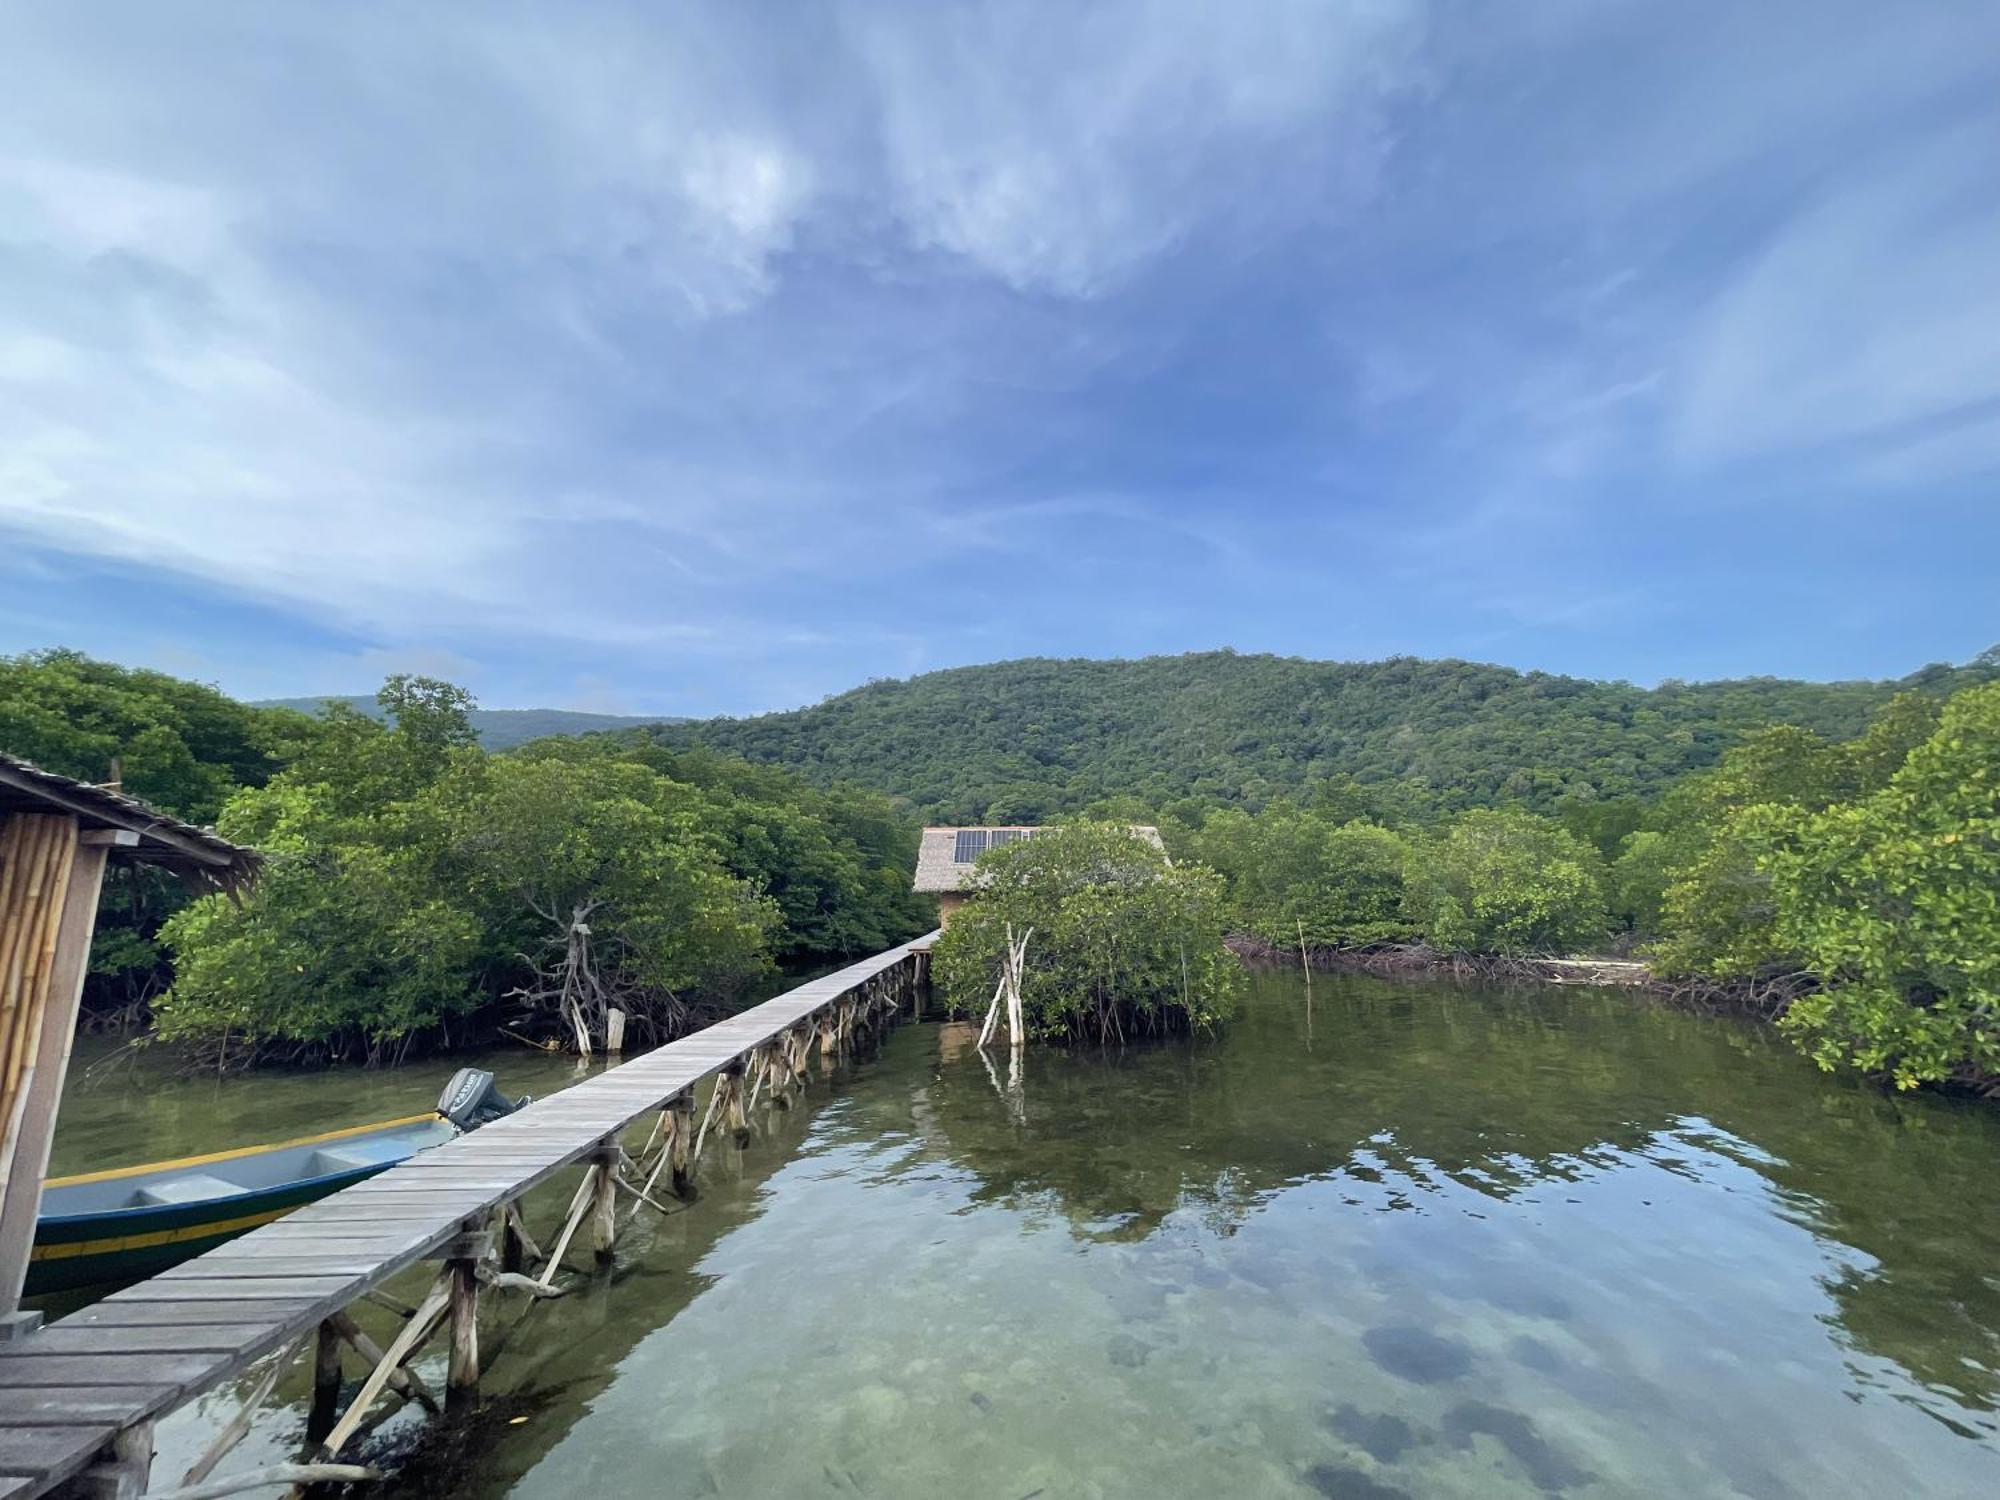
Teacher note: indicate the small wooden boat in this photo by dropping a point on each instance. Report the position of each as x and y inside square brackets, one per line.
[131, 1222]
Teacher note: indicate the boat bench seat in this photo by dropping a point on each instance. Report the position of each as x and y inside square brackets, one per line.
[193, 1187]
[327, 1161]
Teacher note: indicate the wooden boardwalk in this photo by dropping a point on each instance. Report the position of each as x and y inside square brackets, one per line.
[69, 1392]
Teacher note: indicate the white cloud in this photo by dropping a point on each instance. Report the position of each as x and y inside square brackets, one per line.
[327, 314]
[590, 330]
[1058, 147]
[1876, 308]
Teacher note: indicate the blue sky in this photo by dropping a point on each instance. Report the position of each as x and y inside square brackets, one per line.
[704, 359]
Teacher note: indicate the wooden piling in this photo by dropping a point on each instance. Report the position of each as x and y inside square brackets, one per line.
[462, 1372]
[325, 1409]
[604, 1205]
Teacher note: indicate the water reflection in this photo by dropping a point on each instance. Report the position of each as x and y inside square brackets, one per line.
[1470, 1243]
[1514, 1094]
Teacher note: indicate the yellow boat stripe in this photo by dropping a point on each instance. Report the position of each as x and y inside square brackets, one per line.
[214, 1156]
[161, 1236]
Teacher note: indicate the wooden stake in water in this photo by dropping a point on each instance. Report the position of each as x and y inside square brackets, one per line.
[1305, 958]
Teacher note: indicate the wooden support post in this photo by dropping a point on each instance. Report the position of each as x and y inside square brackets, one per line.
[461, 1386]
[123, 1470]
[680, 1131]
[422, 1324]
[734, 1114]
[325, 1409]
[404, 1382]
[778, 1068]
[237, 1427]
[513, 1244]
[614, 1031]
[604, 1204]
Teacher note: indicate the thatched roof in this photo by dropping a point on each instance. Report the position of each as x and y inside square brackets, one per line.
[199, 856]
[944, 858]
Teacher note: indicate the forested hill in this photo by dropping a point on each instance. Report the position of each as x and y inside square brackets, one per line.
[1022, 740]
[497, 728]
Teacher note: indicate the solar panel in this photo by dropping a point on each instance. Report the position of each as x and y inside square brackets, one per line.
[1007, 835]
[971, 844]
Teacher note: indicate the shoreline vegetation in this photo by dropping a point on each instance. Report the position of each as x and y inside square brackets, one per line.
[1764, 998]
[1824, 855]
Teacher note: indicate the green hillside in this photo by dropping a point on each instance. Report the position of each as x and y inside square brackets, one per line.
[497, 728]
[1027, 739]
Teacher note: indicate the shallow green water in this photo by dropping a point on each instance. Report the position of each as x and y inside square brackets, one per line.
[1438, 1241]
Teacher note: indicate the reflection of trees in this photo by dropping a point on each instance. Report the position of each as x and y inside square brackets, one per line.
[1500, 1090]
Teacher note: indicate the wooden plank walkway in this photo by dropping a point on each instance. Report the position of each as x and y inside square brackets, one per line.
[68, 1390]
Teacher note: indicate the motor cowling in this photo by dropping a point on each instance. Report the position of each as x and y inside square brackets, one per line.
[473, 1099]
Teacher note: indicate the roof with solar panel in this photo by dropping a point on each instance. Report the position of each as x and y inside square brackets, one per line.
[946, 856]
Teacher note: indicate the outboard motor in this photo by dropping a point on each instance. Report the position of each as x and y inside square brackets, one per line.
[471, 1099]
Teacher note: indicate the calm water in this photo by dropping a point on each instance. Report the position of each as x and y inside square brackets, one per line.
[1437, 1241]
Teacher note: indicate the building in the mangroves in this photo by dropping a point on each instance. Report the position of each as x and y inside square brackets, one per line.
[946, 856]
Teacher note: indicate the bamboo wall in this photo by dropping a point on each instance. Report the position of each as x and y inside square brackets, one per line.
[36, 853]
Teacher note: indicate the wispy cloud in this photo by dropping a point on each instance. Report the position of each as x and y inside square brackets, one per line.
[742, 360]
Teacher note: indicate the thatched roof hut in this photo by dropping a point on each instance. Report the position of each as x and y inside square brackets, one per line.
[946, 856]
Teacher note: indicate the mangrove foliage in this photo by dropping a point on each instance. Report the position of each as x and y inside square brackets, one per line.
[1118, 941]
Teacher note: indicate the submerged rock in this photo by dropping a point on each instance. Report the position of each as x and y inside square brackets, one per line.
[1338, 1483]
[1547, 1466]
[1417, 1354]
[1128, 1351]
[1383, 1436]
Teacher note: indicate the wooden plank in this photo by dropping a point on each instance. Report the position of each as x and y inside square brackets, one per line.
[60, 1338]
[262, 1288]
[108, 1369]
[79, 1405]
[211, 1268]
[186, 1314]
[35, 1451]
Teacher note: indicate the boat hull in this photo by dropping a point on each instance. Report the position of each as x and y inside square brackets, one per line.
[88, 1250]
[114, 1237]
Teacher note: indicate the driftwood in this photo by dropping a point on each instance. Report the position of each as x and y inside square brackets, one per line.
[1009, 990]
[234, 1429]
